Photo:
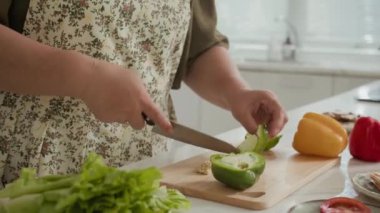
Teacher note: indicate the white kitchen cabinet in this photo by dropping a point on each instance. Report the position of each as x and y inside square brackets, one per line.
[215, 120]
[187, 106]
[293, 90]
[195, 112]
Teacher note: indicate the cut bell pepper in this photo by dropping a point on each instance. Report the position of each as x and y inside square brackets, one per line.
[238, 171]
[365, 139]
[320, 135]
[258, 142]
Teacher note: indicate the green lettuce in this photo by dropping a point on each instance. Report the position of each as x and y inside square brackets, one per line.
[98, 188]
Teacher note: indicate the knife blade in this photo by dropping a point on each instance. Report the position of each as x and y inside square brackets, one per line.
[196, 138]
[190, 136]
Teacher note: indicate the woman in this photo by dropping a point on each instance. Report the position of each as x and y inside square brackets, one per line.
[78, 75]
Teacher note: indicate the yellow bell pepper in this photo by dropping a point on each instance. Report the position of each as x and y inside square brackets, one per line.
[320, 135]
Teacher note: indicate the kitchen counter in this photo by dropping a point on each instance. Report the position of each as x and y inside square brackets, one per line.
[333, 61]
[336, 68]
[335, 181]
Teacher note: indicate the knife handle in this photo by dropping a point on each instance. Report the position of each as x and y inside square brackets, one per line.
[147, 120]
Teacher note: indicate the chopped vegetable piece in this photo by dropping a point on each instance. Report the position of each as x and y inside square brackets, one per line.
[204, 168]
[238, 171]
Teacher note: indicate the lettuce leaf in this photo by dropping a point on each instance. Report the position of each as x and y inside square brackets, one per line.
[98, 188]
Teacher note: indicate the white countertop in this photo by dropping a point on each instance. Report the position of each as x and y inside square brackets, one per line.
[332, 61]
[334, 182]
[363, 70]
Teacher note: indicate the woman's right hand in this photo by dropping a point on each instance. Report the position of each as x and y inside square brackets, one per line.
[112, 93]
[115, 94]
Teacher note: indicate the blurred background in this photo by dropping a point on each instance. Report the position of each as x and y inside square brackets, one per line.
[302, 50]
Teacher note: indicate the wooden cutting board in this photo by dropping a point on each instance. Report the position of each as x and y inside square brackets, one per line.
[285, 172]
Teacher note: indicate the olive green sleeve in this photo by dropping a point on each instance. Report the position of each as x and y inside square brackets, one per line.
[13, 13]
[4, 8]
[201, 36]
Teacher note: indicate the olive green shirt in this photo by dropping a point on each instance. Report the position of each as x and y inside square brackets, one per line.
[202, 33]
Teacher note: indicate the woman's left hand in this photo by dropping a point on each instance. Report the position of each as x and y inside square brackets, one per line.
[214, 76]
[253, 107]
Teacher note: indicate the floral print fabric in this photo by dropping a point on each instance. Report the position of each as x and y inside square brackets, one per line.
[54, 134]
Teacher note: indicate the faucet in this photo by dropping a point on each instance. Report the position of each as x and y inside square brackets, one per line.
[291, 41]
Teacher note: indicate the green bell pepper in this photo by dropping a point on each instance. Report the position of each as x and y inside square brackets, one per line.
[258, 142]
[238, 171]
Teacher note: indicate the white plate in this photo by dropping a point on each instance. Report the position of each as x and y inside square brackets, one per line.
[363, 184]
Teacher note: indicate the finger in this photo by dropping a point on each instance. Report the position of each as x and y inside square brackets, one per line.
[277, 121]
[158, 117]
[248, 122]
[136, 121]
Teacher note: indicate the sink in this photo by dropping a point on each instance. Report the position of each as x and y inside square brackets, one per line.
[369, 94]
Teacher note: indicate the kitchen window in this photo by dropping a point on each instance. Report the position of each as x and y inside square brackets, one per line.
[349, 29]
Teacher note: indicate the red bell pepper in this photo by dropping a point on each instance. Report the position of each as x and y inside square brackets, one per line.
[365, 139]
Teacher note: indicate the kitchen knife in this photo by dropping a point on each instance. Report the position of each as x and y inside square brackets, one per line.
[193, 137]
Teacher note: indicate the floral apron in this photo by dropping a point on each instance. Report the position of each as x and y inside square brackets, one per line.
[54, 134]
